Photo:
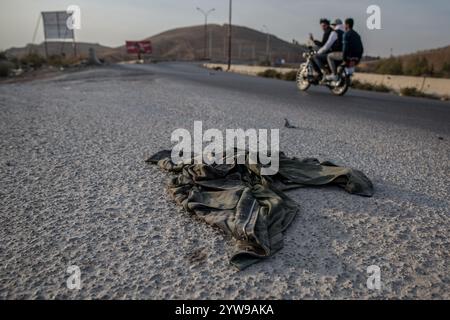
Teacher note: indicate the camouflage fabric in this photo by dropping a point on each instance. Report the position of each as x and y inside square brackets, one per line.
[252, 208]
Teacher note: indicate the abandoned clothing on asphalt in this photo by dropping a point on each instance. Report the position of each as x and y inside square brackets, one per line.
[250, 207]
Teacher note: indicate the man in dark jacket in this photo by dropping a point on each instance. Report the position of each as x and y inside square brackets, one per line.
[352, 50]
[352, 46]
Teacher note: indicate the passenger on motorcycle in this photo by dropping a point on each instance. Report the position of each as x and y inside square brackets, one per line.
[336, 54]
[352, 50]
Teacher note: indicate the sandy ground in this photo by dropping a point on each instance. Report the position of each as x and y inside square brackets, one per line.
[75, 191]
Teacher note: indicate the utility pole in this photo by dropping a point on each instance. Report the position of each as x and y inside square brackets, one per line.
[229, 36]
[267, 43]
[210, 44]
[205, 13]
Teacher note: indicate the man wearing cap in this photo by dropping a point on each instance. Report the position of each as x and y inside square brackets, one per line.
[336, 48]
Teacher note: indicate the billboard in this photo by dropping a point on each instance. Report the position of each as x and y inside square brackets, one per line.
[55, 25]
[139, 47]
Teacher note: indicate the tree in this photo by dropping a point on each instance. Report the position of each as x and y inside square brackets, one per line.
[390, 66]
[418, 67]
[446, 69]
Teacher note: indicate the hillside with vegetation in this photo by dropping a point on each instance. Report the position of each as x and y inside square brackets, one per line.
[431, 63]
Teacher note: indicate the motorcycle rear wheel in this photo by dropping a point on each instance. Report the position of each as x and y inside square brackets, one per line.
[342, 88]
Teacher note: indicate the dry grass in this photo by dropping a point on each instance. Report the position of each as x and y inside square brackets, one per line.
[272, 73]
[369, 87]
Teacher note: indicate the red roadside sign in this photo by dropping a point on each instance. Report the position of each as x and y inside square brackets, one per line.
[139, 47]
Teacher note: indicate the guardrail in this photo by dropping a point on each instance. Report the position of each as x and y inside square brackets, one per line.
[432, 86]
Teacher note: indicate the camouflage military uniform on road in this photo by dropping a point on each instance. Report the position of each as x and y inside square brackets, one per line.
[250, 207]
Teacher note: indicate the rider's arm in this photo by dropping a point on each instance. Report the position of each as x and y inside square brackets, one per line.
[331, 39]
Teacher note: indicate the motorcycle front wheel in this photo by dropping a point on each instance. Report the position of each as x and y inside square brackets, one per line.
[302, 78]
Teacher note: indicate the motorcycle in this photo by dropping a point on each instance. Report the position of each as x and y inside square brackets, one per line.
[307, 75]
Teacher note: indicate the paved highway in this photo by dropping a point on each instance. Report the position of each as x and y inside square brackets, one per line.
[75, 189]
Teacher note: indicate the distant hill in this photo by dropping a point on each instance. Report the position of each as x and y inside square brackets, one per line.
[434, 62]
[248, 45]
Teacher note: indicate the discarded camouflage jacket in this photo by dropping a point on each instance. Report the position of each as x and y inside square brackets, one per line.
[252, 208]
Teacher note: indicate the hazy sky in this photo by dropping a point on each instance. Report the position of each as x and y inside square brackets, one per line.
[407, 25]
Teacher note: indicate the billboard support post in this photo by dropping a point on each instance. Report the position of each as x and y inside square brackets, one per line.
[74, 44]
[34, 33]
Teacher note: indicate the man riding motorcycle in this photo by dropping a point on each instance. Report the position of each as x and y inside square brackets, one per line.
[331, 42]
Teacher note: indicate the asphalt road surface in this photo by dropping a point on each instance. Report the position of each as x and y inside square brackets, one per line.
[75, 189]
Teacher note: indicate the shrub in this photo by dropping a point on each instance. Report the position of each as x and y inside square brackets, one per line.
[412, 92]
[64, 61]
[5, 68]
[369, 87]
[418, 67]
[446, 69]
[389, 66]
[56, 60]
[290, 76]
[33, 60]
[14, 60]
[270, 73]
